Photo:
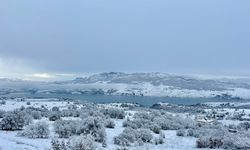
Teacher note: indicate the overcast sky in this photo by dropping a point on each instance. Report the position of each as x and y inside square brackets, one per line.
[63, 37]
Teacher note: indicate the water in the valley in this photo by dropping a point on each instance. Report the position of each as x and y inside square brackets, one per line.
[142, 100]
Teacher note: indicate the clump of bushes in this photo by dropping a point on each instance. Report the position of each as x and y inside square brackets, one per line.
[82, 143]
[131, 136]
[93, 126]
[37, 130]
[75, 143]
[114, 113]
[206, 142]
[244, 126]
[156, 121]
[14, 120]
[65, 128]
[218, 136]
[70, 112]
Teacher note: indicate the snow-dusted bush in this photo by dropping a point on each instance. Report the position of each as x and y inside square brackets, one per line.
[142, 123]
[129, 123]
[93, 126]
[143, 115]
[28, 119]
[3, 102]
[37, 130]
[89, 126]
[14, 120]
[93, 112]
[53, 116]
[157, 121]
[180, 132]
[244, 126]
[236, 116]
[206, 142]
[82, 143]
[28, 103]
[75, 143]
[158, 140]
[239, 141]
[217, 136]
[2, 112]
[109, 123]
[55, 108]
[162, 135]
[131, 136]
[145, 135]
[208, 130]
[114, 113]
[127, 137]
[168, 122]
[70, 113]
[232, 126]
[65, 128]
[36, 114]
[155, 128]
[59, 145]
[137, 123]
[121, 140]
[190, 132]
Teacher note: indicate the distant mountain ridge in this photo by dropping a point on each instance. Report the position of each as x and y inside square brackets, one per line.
[157, 79]
[133, 84]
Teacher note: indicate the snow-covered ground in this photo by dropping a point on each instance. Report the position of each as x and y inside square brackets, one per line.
[11, 140]
[37, 103]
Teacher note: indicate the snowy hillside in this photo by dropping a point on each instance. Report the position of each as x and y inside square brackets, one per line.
[135, 84]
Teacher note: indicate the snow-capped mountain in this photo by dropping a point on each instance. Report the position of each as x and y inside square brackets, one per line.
[136, 84]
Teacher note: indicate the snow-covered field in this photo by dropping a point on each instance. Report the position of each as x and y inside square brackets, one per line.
[13, 140]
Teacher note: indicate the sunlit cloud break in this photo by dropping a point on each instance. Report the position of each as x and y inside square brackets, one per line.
[43, 75]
